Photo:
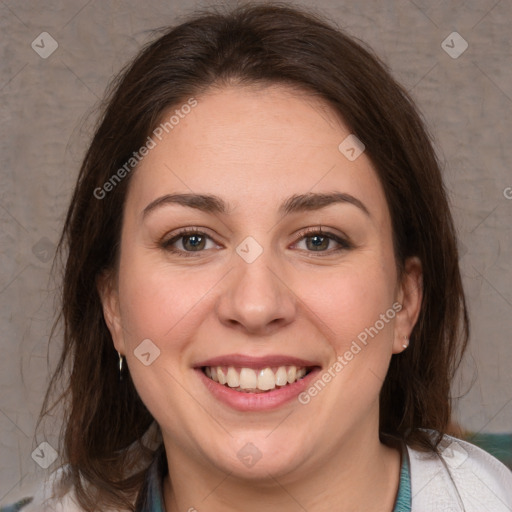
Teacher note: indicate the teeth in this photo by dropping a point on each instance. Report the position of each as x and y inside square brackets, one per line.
[300, 373]
[250, 380]
[232, 377]
[221, 376]
[266, 379]
[281, 376]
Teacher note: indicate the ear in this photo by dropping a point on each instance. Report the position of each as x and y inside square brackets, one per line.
[109, 296]
[409, 295]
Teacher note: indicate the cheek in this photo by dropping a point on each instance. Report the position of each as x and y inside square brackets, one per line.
[157, 300]
[165, 306]
[350, 303]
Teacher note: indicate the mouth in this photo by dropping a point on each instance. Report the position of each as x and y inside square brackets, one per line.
[256, 380]
[249, 383]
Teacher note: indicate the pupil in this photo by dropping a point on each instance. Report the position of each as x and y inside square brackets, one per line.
[318, 241]
[194, 241]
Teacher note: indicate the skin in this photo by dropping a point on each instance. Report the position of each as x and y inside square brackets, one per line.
[254, 147]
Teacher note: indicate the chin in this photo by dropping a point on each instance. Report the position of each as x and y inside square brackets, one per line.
[259, 457]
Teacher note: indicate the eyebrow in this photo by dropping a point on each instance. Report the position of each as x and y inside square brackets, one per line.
[296, 203]
[204, 202]
[316, 201]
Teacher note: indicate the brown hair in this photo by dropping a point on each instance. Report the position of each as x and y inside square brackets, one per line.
[251, 44]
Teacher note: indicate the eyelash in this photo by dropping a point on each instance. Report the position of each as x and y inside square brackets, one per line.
[183, 233]
[305, 233]
[310, 232]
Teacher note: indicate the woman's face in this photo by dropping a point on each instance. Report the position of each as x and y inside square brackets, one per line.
[256, 294]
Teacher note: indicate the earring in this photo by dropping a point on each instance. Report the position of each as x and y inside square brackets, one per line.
[120, 366]
[406, 342]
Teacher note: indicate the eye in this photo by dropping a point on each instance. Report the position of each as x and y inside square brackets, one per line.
[316, 240]
[188, 240]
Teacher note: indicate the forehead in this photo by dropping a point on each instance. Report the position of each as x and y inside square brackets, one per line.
[253, 146]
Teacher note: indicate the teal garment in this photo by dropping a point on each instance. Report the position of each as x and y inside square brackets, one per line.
[404, 498]
[151, 497]
[498, 445]
[16, 506]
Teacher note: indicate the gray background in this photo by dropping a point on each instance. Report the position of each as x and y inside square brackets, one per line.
[46, 120]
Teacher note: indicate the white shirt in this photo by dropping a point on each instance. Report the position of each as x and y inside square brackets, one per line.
[482, 481]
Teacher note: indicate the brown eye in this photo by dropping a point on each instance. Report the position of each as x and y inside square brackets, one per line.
[317, 242]
[187, 242]
[322, 242]
[193, 242]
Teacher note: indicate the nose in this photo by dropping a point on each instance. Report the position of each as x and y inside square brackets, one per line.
[256, 299]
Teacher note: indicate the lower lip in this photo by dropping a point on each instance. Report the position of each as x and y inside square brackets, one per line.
[257, 401]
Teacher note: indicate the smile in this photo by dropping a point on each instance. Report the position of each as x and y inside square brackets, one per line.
[255, 380]
[256, 383]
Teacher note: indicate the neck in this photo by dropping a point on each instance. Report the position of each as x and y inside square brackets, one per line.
[360, 475]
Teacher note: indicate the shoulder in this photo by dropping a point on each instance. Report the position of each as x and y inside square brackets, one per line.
[56, 493]
[463, 473]
[53, 495]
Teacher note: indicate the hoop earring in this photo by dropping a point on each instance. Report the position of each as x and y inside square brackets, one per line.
[120, 366]
[406, 342]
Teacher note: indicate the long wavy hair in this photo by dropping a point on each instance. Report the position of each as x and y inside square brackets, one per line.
[105, 421]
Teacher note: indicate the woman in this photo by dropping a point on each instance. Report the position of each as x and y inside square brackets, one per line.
[262, 302]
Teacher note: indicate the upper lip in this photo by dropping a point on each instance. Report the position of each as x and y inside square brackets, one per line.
[245, 361]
